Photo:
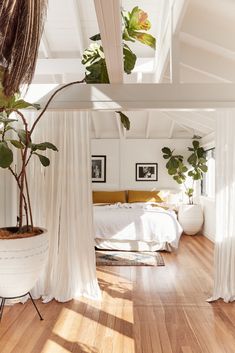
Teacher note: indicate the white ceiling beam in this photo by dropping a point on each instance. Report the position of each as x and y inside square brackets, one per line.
[171, 131]
[176, 121]
[163, 52]
[201, 121]
[74, 65]
[56, 66]
[207, 121]
[200, 43]
[147, 128]
[147, 96]
[79, 31]
[207, 62]
[208, 140]
[202, 73]
[48, 54]
[191, 123]
[110, 25]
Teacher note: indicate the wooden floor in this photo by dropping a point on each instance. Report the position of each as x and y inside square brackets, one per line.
[144, 310]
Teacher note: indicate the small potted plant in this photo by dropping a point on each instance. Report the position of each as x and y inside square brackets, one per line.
[190, 215]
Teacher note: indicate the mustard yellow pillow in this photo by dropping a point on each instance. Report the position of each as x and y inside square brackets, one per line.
[109, 196]
[144, 196]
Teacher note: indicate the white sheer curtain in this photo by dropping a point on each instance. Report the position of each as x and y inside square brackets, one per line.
[224, 284]
[61, 202]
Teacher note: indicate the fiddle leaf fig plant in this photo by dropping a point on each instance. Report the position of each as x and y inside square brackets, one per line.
[135, 26]
[15, 134]
[177, 168]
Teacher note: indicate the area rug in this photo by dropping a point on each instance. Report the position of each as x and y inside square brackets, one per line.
[128, 258]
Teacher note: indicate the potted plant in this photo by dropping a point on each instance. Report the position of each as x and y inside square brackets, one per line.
[190, 215]
[23, 248]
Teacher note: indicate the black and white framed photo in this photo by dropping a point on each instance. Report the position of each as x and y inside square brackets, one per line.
[146, 172]
[98, 169]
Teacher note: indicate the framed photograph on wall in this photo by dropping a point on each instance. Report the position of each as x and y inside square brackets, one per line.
[146, 172]
[98, 169]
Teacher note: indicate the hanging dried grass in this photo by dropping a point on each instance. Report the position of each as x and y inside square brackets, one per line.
[21, 23]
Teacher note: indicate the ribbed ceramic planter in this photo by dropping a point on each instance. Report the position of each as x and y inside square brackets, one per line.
[21, 263]
[190, 218]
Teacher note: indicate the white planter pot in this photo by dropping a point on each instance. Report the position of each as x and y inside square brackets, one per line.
[21, 263]
[190, 218]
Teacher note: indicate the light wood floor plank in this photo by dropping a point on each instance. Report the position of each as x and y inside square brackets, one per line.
[143, 310]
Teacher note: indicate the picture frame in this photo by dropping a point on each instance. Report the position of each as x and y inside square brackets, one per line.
[146, 172]
[98, 169]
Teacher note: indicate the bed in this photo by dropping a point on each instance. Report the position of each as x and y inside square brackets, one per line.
[136, 226]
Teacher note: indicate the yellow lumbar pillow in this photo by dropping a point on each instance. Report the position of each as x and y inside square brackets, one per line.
[109, 196]
[144, 196]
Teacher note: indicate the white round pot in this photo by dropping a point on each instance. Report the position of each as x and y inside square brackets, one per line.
[21, 263]
[190, 218]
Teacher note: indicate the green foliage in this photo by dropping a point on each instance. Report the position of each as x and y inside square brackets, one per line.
[44, 160]
[6, 155]
[94, 61]
[124, 120]
[129, 59]
[134, 23]
[180, 172]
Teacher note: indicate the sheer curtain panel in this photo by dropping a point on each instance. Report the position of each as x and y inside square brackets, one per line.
[61, 202]
[224, 283]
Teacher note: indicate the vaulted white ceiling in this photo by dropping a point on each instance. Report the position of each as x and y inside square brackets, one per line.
[199, 34]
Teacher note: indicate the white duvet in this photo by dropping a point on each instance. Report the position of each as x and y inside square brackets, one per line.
[136, 227]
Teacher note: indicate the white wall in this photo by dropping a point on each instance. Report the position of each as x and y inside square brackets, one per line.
[209, 227]
[122, 155]
[208, 204]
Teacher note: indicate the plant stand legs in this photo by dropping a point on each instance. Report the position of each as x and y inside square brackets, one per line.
[21, 296]
[41, 318]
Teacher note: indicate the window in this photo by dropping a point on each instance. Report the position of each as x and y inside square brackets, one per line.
[208, 181]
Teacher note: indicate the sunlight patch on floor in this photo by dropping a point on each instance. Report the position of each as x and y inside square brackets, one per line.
[53, 347]
[67, 325]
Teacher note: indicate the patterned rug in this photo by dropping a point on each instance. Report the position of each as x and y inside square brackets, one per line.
[128, 258]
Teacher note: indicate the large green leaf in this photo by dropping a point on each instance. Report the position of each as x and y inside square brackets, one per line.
[44, 160]
[22, 104]
[96, 37]
[7, 121]
[204, 168]
[200, 152]
[192, 159]
[138, 20]
[6, 155]
[195, 144]
[43, 146]
[22, 135]
[167, 151]
[129, 59]
[94, 61]
[124, 120]
[144, 38]
[17, 144]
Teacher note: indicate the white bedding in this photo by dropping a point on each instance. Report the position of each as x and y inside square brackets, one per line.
[136, 226]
